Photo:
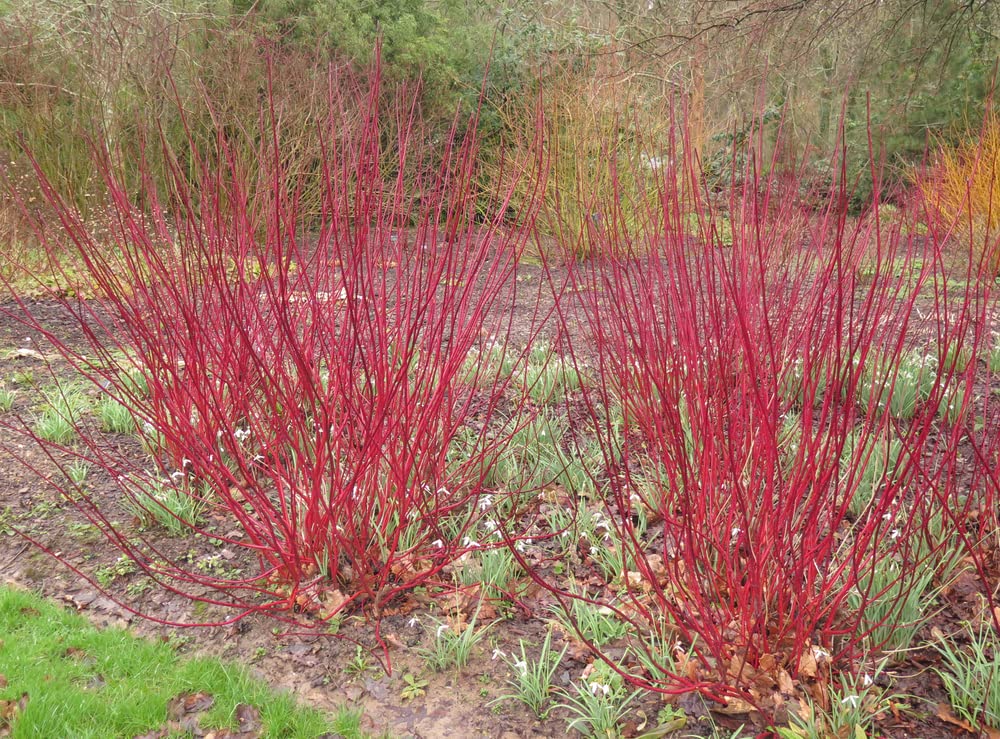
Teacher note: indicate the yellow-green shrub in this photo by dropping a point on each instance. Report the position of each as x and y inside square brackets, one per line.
[602, 141]
[963, 190]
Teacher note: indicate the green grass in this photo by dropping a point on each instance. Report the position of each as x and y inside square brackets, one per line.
[6, 398]
[81, 682]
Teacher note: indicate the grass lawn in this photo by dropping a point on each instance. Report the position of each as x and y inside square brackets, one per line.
[61, 677]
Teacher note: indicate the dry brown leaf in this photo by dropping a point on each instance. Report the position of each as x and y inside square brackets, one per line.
[331, 603]
[187, 703]
[785, 683]
[807, 665]
[735, 706]
[248, 719]
[768, 662]
[945, 714]
[8, 712]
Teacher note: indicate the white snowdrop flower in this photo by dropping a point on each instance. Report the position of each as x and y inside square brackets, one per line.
[485, 502]
[736, 531]
[820, 654]
[177, 475]
[413, 622]
[441, 490]
[852, 700]
[441, 629]
[597, 688]
[469, 542]
[519, 545]
[895, 534]
[490, 524]
[437, 543]
[593, 551]
[185, 463]
[521, 666]
[497, 652]
[886, 516]
[867, 681]
[634, 498]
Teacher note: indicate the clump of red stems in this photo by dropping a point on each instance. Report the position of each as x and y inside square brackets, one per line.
[738, 369]
[302, 379]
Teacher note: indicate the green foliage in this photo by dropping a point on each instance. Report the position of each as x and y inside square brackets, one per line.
[83, 682]
[444, 43]
[7, 396]
[597, 624]
[854, 707]
[177, 508]
[453, 643]
[532, 681]
[869, 461]
[115, 417]
[898, 388]
[62, 410]
[971, 676]
[600, 703]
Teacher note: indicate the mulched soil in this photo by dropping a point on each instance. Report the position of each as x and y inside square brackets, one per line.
[316, 667]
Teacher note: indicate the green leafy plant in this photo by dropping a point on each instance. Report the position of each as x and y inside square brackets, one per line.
[359, 663]
[854, 706]
[121, 567]
[899, 388]
[54, 427]
[548, 376]
[993, 359]
[894, 601]
[175, 507]
[115, 417]
[954, 406]
[879, 457]
[23, 378]
[62, 410]
[414, 687]
[453, 643]
[597, 624]
[7, 396]
[532, 681]
[494, 569]
[971, 676]
[532, 456]
[599, 702]
[77, 472]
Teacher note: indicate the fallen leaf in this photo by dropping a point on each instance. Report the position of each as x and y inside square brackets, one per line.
[785, 683]
[733, 706]
[807, 665]
[8, 712]
[187, 703]
[944, 713]
[3, 682]
[247, 718]
[332, 602]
